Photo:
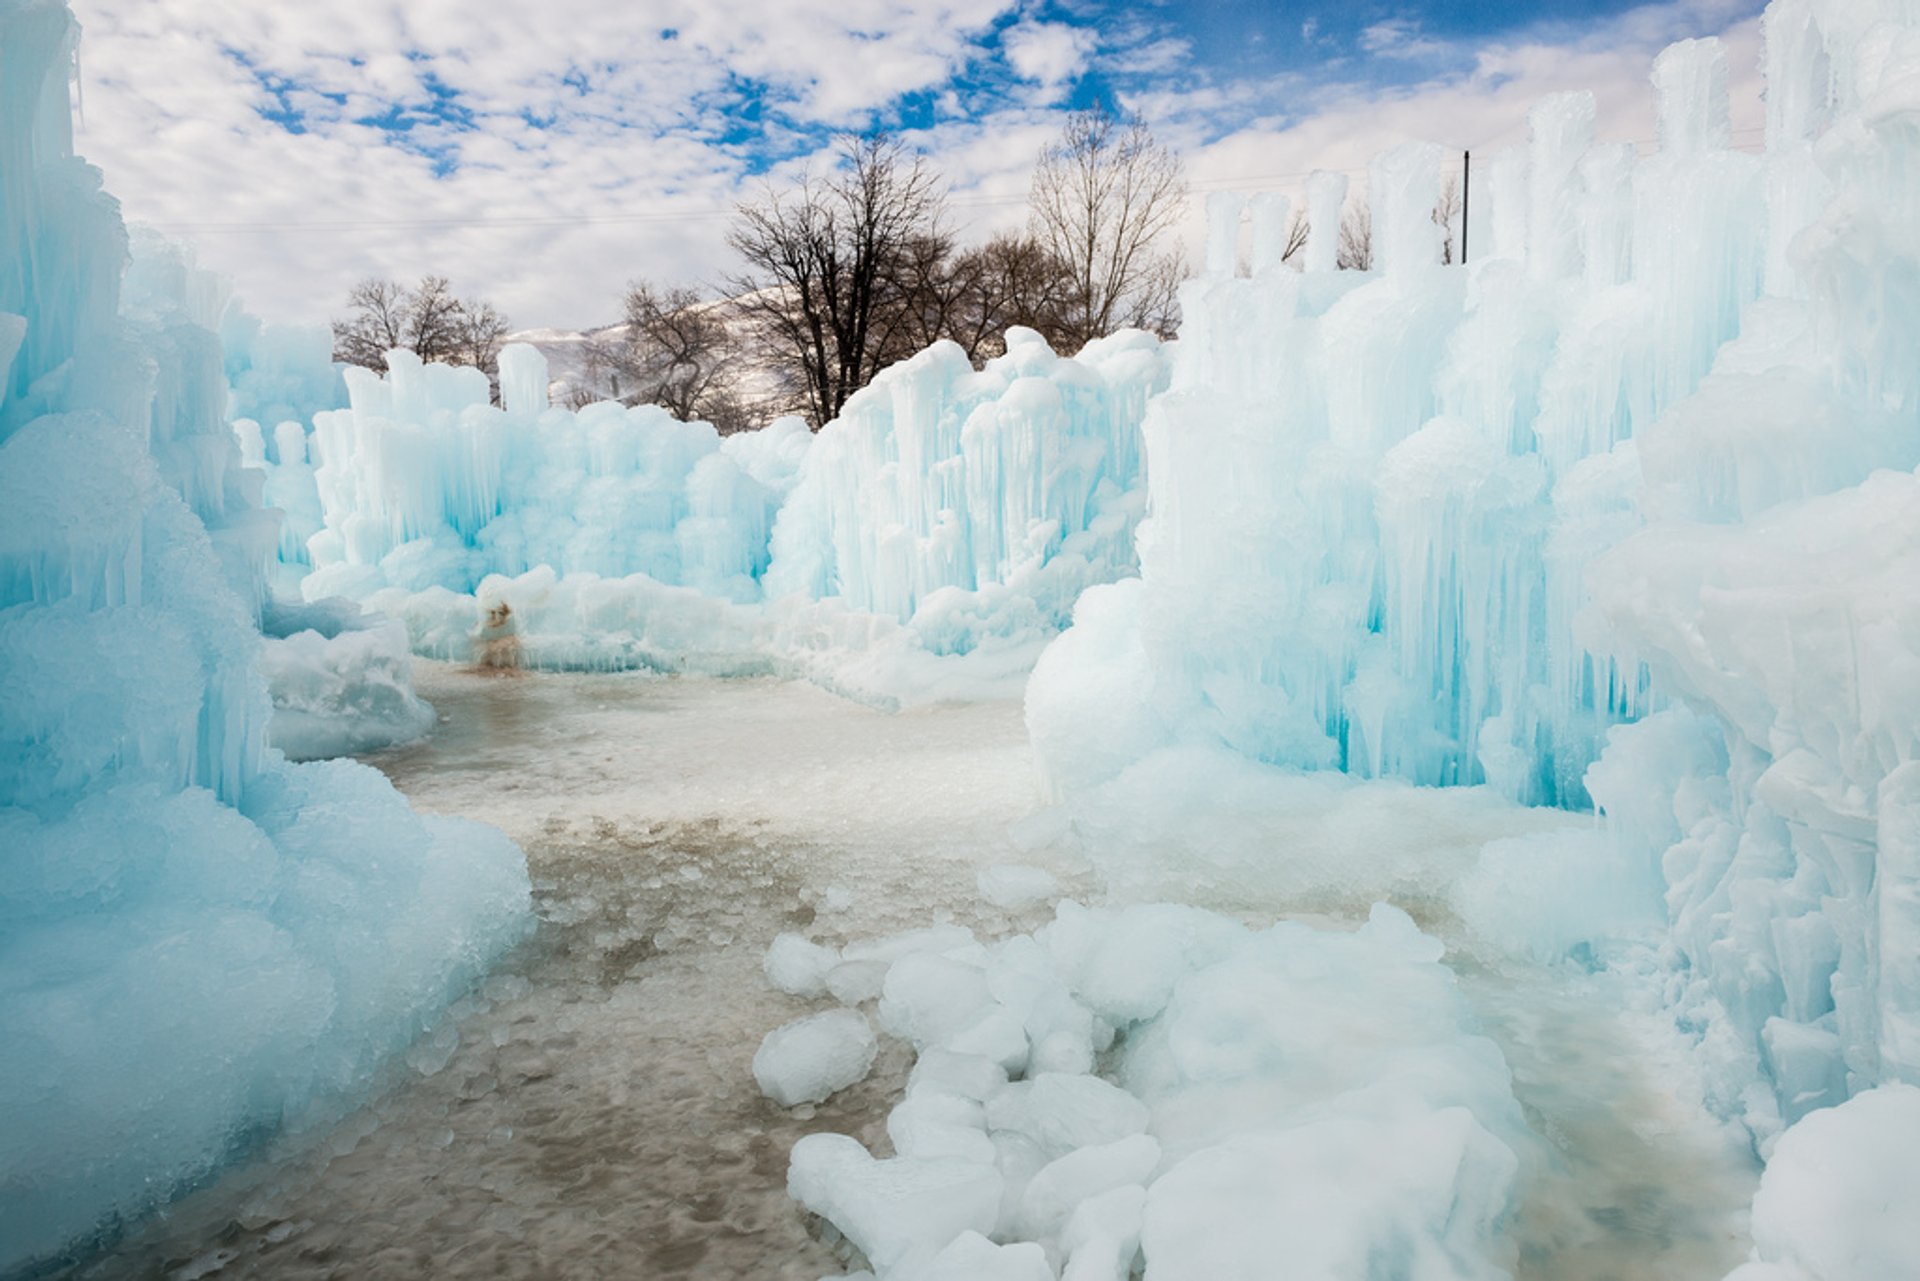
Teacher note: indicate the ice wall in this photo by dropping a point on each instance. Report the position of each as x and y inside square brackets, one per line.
[926, 545]
[937, 479]
[199, 943]
[423, 483]
[1656, 450]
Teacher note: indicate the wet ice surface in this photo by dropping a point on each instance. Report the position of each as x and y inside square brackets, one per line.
[592, 1111]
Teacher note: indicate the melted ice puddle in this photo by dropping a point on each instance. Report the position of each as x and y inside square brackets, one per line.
[591, 1111]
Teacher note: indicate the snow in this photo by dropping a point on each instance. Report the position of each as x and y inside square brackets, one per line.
[201, 944]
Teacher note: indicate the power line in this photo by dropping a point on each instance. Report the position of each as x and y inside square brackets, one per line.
[705, 213]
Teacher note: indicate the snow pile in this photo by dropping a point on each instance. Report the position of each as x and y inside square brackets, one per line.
[199, 943]
[1289, 1091]
[1654, 448]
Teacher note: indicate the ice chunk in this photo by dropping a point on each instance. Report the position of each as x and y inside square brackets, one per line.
[1011, 888]
[1343, 1199]
[1835, 1200]
[972, 1257]
[928, 998]
[1062, 1113]
[892, 1208]
[809, 1059]
[1059, 1188]
[798, 966]
[1102, 1239]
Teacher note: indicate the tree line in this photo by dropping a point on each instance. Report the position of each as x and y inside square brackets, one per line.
[845, 272]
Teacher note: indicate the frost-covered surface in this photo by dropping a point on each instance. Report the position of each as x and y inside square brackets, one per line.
[1836, 1201]
[199, 943]
[1318, 1093]
[1655, 450]
[926, 545]
[341, 680]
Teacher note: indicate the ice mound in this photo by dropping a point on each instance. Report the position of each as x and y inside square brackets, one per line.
[200, 943]
[1312, 1090]
[1836, 1201]
[813, 1058]
[341, 680]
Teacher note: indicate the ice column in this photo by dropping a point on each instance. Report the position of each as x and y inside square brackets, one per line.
[1561, 128]
[1326, 198]
[1270, 227]
[1404, 187]
[1223, 233]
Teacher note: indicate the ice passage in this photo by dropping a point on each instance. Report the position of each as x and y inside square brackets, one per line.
[1469, 829]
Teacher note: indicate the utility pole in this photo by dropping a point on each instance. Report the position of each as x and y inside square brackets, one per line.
[1466, 201]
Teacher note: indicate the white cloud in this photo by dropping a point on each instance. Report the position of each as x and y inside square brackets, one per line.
[592, 154]
[1051, 54]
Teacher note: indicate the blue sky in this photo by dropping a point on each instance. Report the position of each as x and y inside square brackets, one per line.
[542, 154]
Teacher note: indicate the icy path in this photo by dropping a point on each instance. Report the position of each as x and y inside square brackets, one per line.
[596, 1116]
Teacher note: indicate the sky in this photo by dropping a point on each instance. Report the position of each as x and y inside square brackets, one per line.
[542, 153]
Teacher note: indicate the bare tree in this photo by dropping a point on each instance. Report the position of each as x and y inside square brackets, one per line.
[428, 320]
[1105, 199]
[1298, 229]
[824, 266]
[376, 323]
[1356, 238]
[675, 351]
[1445, 210]
[436, 320]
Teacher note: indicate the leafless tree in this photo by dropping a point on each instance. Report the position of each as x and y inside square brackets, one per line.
[1105, 198]
[1445, 210]
[428, 320]
[675, 351]
[1356, 238]
[1297, 231]
[824, 266]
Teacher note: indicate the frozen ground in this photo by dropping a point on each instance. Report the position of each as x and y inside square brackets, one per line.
[597, 1114]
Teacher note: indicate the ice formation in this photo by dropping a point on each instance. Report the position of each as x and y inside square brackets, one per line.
[341, 680]
[1320, 1093]
[1621, 513]
[948, 514]
[199, 942]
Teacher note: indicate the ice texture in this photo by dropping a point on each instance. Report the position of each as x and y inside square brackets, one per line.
[810, 1059]
[1317, 1091]
[200, 943]
[925, 545]
[341, 680]
[1836, 1201]
[1619, 516]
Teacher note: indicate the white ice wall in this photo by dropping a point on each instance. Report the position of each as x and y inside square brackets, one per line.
[1393, 517]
